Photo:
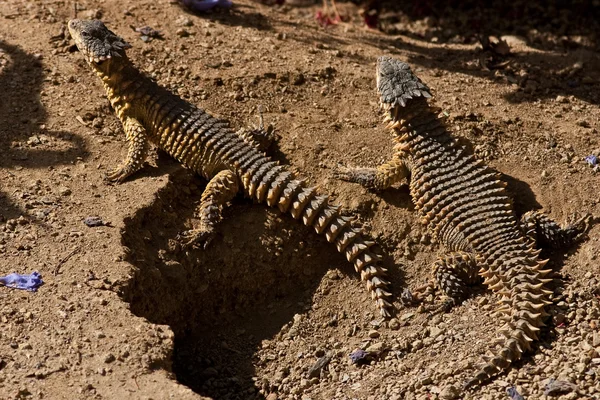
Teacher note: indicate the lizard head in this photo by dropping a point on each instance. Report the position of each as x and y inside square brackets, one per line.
[95, 41]
[397, 84]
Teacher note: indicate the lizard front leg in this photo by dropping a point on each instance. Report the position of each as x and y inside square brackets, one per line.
[220, 189]
[137, 153]
[379, 178]
[259, 137]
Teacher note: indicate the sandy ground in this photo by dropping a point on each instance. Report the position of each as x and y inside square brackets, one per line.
[121, 317]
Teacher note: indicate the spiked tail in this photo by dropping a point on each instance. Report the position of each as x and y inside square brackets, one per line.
[522, 306]
[266, 181]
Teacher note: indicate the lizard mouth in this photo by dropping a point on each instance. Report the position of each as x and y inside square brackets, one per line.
[91, 58]
[98, 59]
[385, 106]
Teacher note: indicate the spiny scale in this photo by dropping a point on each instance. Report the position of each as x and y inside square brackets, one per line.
[207, 145]
[465, 206]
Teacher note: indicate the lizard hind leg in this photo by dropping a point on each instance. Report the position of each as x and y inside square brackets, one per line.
[453, 273]
[219, 191]
[543, 231]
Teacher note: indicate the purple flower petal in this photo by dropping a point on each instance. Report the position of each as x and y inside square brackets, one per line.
[592, 160]
[358, 356]
[204, 5]
[513, 394]
[29, 282]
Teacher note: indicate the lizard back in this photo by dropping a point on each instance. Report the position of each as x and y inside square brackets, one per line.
[465, 206]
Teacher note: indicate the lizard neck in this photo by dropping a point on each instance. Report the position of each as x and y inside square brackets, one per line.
[417, 127]
[121, 81]
[417, 119]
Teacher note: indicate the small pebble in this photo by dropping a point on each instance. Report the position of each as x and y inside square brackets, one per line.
[449, 393]
[315, 370]
[299, 79]
[407, 316]
[183, 21]
[376, 348]
[182, 32]
[374, 334]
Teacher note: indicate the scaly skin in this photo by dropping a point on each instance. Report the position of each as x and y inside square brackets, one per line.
[231, 162]
[465, 206]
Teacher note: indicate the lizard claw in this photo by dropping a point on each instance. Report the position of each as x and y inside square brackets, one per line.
[433, 309]
[117, 175]
[420, 292]
[582, 225]
[443, 307]
[263, 138]
[196, 238]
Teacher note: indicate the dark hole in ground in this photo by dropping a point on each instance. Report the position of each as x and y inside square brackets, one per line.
[261, 270]
[223, 302]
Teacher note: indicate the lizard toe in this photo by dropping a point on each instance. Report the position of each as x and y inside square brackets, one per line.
[445, 306]
[582, 226]
[196, 238]
[117, 175]
[419, 293]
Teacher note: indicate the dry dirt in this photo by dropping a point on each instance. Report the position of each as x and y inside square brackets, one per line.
[119, 317]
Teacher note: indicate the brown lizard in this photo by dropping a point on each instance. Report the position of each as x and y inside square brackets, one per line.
[230, 162]
[465, 206]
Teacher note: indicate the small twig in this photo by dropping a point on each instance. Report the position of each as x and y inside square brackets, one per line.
[74, 10]
[261, 121]
[64, 260]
